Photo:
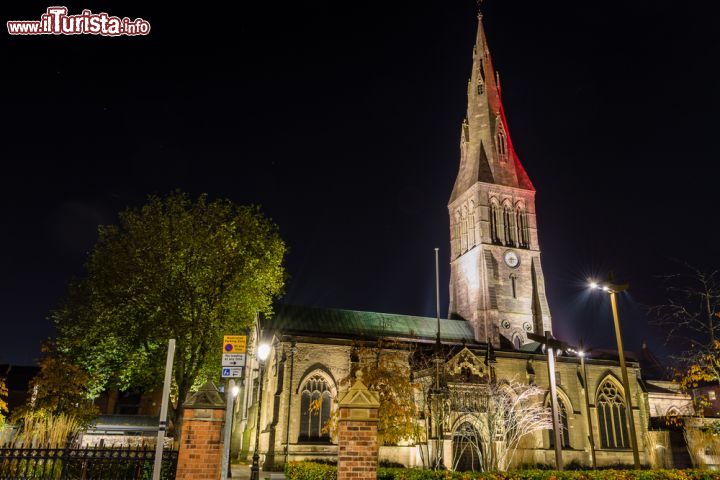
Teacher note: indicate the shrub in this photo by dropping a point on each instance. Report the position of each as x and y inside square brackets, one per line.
[315, 471]
[310, 471]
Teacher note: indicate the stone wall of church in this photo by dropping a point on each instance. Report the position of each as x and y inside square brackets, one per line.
[331, 362]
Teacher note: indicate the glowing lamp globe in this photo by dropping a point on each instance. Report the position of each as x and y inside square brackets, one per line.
[263, 352]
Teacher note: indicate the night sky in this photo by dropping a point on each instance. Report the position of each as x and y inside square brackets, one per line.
[342, 119]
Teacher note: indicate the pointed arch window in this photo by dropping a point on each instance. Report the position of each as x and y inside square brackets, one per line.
[496, 222]
[464, 223]
[612, 418]
[501, 144]
[315, 408]
[471, 225]
[564, 428]
[523, 227]
[457, 234]
[509, 226]
[513, 285]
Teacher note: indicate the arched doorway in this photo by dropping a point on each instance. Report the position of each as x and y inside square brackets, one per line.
[467, 453]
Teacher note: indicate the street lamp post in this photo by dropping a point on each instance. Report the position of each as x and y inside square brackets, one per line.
[551, 346]
[591, 437]
[612, 289]
[262, 353]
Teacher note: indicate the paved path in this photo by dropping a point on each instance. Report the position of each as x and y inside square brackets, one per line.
[242, 472]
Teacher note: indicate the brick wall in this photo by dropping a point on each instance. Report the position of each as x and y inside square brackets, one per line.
[358, 450]
[201, 445]
[357, 433]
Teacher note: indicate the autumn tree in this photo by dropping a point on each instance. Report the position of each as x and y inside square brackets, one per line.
[3, 402]
[384, 370]
[690, 313]
[691, 317]
[176, 267]
[60, 387]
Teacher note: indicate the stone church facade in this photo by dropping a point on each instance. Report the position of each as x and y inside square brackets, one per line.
[497, 296]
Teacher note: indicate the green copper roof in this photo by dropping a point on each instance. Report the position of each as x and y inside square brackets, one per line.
[345, 323]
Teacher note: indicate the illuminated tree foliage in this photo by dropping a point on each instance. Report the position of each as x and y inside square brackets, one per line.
[705, 368]
[384, 370]
[60, 387]
[179, 268]
[3, 403]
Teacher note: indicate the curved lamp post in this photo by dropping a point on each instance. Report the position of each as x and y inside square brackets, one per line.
[263, 351]
[612, 289]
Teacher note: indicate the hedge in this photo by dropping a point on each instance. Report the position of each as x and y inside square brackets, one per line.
[315, 471]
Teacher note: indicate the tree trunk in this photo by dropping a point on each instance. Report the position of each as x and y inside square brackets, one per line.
[112, 400]
[176, 412]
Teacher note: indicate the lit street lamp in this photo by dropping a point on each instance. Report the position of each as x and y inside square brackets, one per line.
[262, 354]
[612, 289]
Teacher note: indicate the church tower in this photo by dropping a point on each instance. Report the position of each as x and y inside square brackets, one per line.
[496, 280]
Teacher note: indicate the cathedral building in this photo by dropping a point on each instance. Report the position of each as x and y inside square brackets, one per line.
[497, 297]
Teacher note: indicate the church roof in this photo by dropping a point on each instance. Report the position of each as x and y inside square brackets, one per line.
[326, 322]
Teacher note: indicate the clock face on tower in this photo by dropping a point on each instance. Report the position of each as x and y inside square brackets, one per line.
[511, 259]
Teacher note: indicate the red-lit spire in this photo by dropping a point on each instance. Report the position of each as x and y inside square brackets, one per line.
[487, 153]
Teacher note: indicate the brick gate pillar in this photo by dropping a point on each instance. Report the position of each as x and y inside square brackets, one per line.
[357, 433]
[200, 453]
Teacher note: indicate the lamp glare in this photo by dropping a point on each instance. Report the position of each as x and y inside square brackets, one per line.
[263, 352]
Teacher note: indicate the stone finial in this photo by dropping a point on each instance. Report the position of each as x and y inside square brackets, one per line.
[206, 397]
[359, 396]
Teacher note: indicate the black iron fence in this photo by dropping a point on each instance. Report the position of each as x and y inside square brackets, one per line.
[84, 463]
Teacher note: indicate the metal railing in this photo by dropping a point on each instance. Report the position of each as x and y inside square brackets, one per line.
[84, 463]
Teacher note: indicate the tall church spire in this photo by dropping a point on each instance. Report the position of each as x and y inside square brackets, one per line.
[496, 280]
[487, 153]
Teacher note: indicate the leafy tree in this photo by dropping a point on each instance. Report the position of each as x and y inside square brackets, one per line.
[704, 368]
[179, 268]
[59, 388]
[3, 403]
[384, 370]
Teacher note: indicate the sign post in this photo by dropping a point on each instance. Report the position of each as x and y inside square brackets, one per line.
[163, 410]
[233, 362]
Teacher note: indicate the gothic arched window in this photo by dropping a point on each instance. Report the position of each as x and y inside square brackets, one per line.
[501, 146]
[523, 227]
[564, 429]
[315, 408]
[612, 419]
[457, 234]
[496, 222]
[464, 237]
[471, 225]
[509, 226]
